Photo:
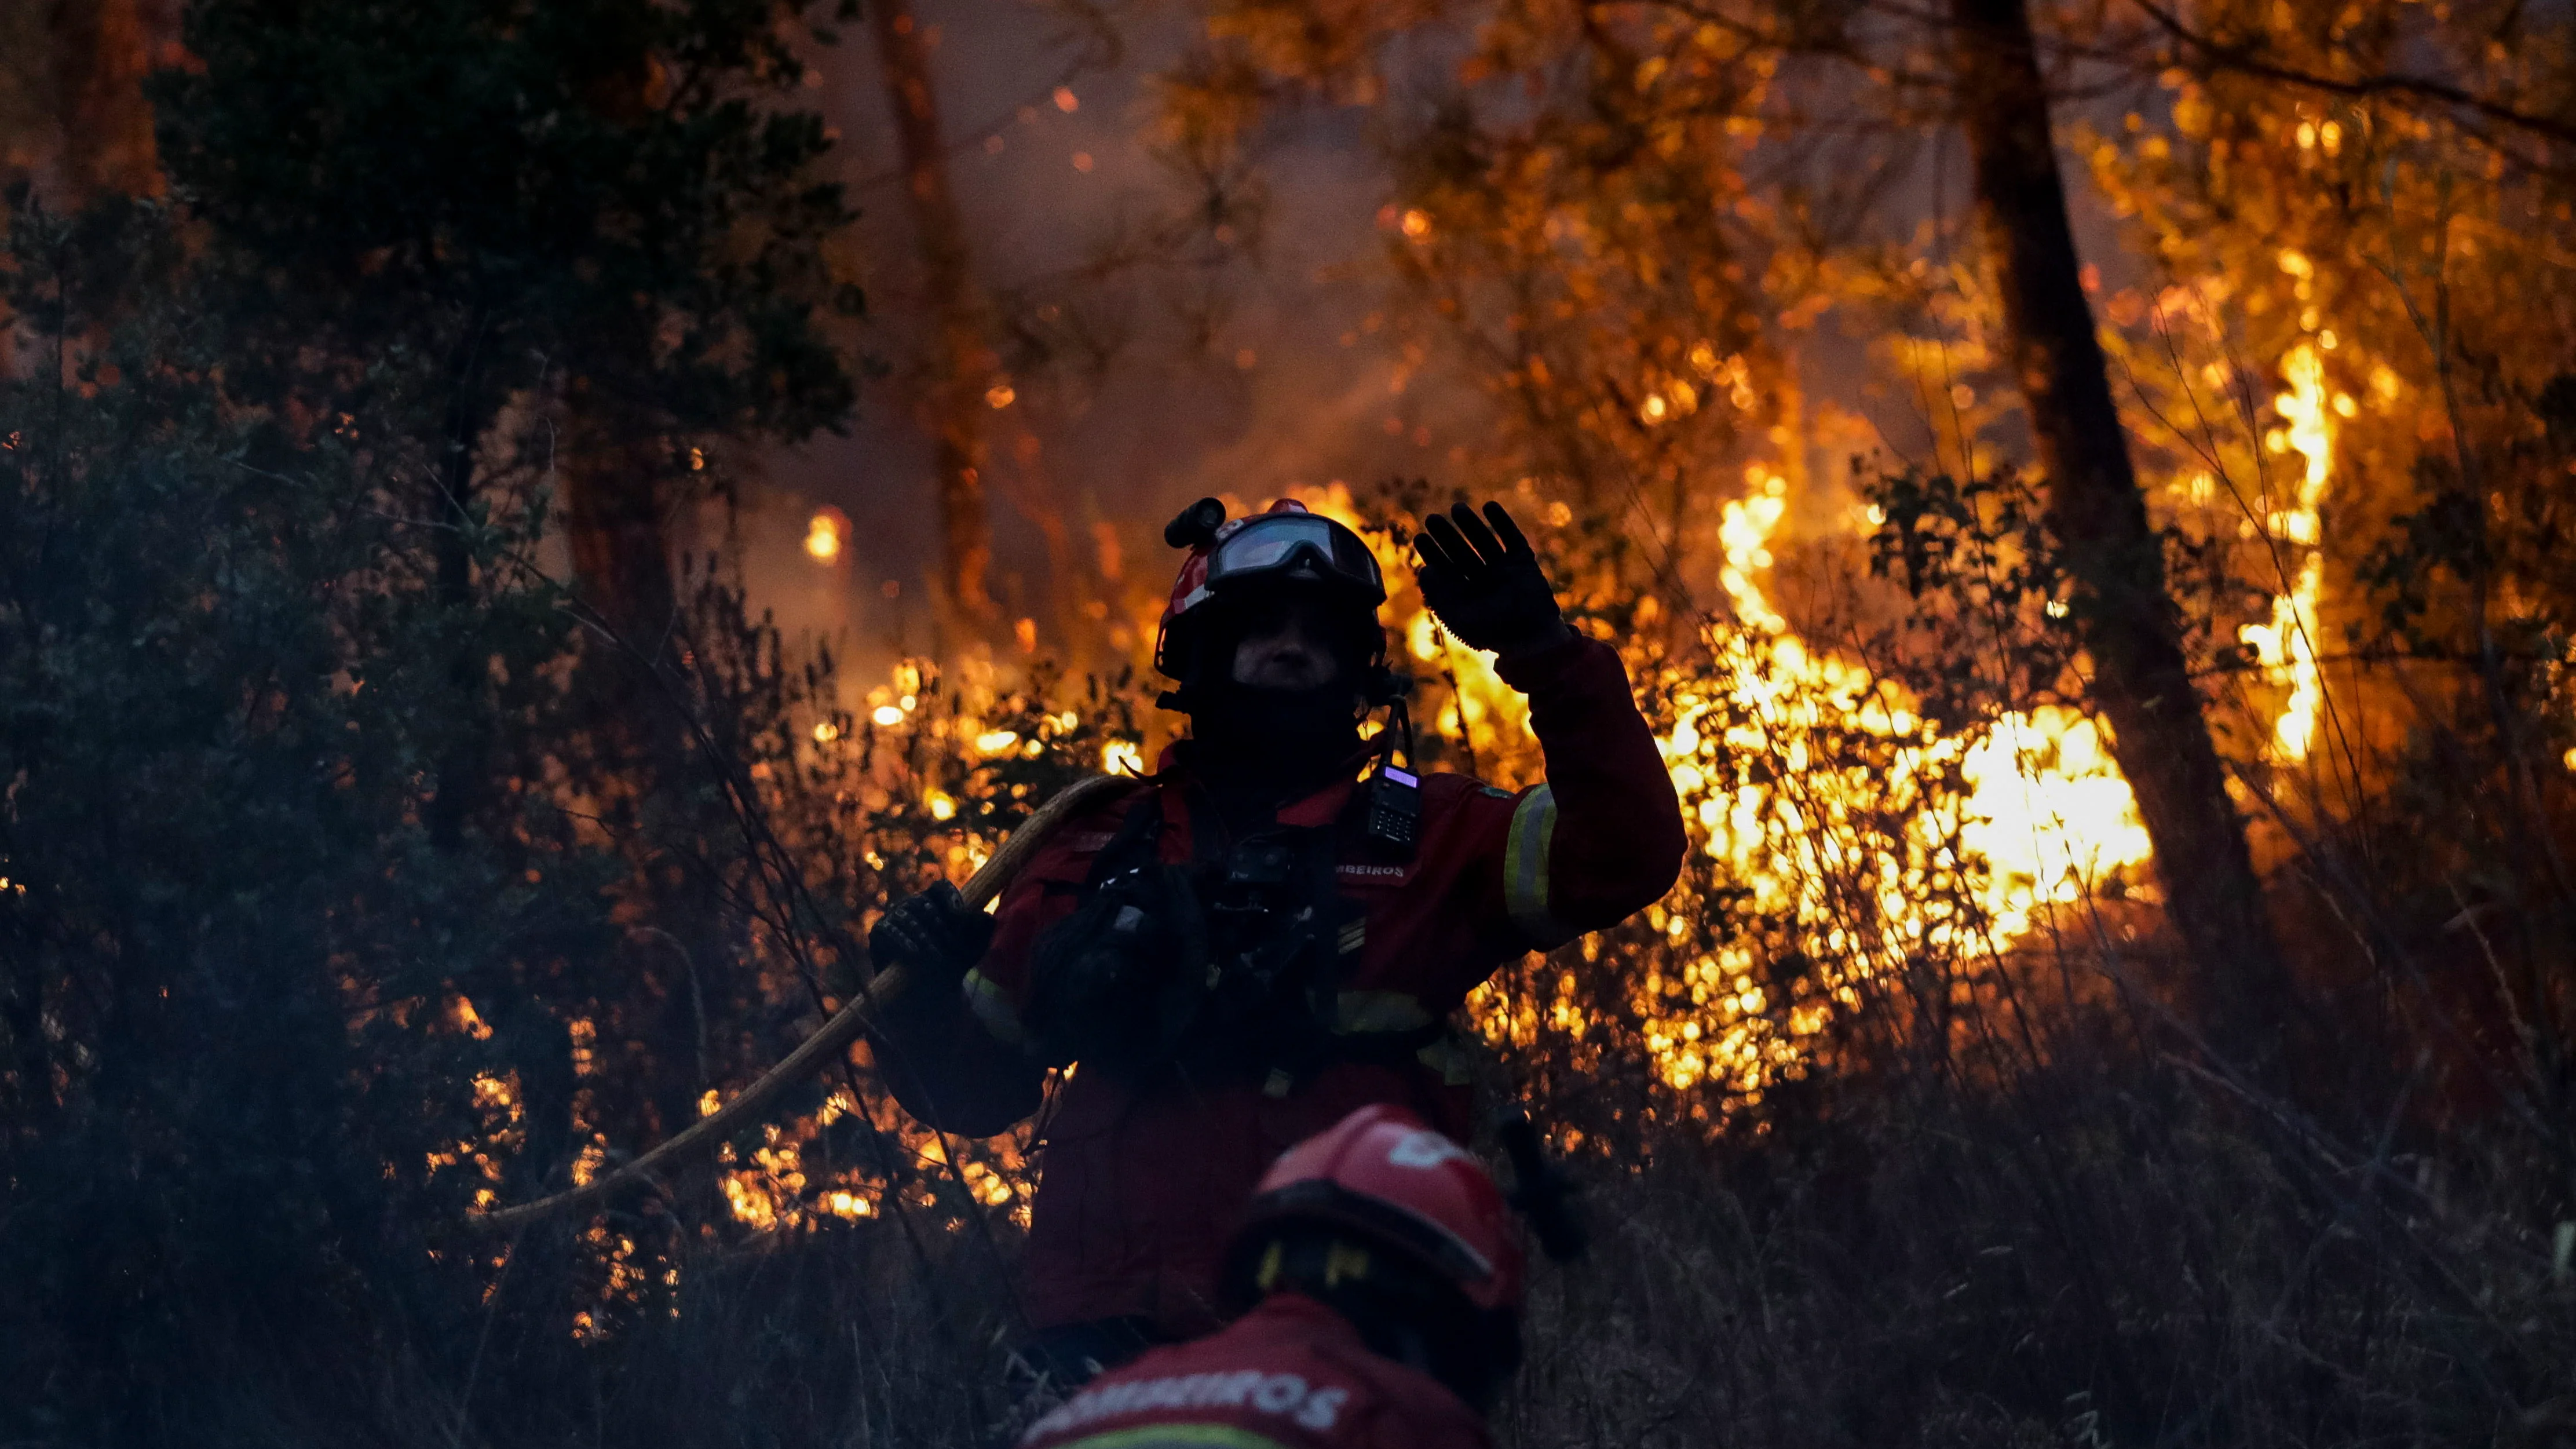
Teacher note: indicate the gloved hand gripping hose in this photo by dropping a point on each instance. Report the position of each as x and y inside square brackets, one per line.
[825, 1045]
[936, 937]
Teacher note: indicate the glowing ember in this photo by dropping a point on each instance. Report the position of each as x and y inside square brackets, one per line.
[461, 1012]
[824, 534]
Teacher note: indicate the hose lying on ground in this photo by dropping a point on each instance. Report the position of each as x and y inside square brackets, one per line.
[825, 1045]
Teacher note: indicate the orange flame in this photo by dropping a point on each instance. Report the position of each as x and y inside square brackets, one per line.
[2286, 647]
[2047, 816]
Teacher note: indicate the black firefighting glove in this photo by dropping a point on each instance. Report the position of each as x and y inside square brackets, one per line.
[1484, 583]
[935, 935]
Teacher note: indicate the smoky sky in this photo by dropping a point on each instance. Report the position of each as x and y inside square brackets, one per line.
[1159, 379]
[1244, 369]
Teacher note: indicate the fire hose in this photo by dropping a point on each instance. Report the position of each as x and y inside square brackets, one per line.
[828, 1043]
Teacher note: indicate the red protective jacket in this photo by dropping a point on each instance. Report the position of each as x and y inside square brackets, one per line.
[1291, 1374]
[1141, 1186]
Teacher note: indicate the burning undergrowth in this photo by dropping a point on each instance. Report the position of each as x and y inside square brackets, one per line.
[357, 876]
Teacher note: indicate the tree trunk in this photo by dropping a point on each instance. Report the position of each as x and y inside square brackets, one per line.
[961, 361]
[462, 766]
[620, 486]
[101, 50]
[2127, 622]
[615, 497]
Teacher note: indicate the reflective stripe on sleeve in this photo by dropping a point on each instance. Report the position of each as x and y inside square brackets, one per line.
[1525, 856]
[1360, 1013]
[1451, 1058]
[993, 1009]
[1366, 1011]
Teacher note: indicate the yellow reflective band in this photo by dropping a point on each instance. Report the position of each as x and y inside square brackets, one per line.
[1451, 1059]
[1356, 1011]
[1525, 856]
[993, 1009]
[1178, 1436]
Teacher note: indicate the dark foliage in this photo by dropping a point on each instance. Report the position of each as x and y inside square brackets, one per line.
[230, 946]
[505, 189]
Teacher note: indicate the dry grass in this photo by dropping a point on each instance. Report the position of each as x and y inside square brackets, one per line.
[2109, 1251]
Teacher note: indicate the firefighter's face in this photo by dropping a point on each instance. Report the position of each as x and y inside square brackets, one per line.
[1285, 645]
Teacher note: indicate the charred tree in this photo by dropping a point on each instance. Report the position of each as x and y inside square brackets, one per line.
[960, 364]
[620, 490]
[2126, 620]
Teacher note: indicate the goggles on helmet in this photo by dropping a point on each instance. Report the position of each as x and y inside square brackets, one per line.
[1280, 544]
[1285, 544]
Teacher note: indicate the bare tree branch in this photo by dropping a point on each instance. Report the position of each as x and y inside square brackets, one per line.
[2246, 59]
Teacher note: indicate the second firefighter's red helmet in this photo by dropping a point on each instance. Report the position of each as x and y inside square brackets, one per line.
[1382, 1174]
[1284, 543]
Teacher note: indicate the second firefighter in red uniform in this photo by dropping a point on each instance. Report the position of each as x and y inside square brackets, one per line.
[1384, 1279]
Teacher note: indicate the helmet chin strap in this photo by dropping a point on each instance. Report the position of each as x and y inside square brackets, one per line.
[1389, 690]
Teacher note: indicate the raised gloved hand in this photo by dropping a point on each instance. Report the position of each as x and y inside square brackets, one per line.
[1484, 583]
[935, 935]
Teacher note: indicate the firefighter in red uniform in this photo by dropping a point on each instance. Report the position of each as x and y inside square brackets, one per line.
[1389, 1288]
[1274, 928]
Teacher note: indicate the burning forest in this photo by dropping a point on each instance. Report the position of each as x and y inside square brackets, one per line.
[543, 542]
